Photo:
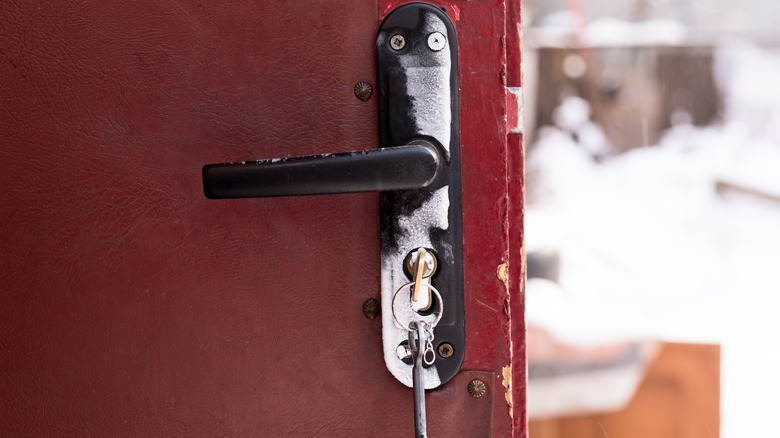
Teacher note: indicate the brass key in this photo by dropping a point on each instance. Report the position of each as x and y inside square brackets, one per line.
[424, 263]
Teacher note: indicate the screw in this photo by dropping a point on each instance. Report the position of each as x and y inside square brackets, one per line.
[397, 42]
[436, 41]
[371, 308]
[477, 388]
[446, 350]
[363, 90]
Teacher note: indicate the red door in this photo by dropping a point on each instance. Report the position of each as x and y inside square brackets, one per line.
[134, 306]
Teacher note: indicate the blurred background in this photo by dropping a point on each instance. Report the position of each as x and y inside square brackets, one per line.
[653, 217]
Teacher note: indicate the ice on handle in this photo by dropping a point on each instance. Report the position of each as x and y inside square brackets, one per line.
[409, 167]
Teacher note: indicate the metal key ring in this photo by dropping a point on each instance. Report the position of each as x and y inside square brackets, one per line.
[432, 356]
[435, 292]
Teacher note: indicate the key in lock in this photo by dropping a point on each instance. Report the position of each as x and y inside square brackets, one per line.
[421, 264]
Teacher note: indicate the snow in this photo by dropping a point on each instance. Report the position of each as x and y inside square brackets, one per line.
[608, 31]
[562, 29]
[651, 249]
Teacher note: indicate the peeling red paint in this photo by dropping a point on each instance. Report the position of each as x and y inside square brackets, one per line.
[506, 372]
[454, 12]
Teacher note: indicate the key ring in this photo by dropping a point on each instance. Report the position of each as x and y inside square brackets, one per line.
[416, 347]
[435, 292]
[428, 345]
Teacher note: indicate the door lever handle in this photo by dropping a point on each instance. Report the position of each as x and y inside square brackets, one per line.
[411, 167]
[417, 169]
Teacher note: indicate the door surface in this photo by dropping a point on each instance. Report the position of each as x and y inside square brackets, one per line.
[134, 306]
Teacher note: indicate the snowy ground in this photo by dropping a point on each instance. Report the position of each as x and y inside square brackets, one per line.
[649, 245]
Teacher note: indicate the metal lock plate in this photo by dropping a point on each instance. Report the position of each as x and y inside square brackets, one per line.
[417, 74]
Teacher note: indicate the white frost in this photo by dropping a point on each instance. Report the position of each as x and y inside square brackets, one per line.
[428, 76]
[415, 232]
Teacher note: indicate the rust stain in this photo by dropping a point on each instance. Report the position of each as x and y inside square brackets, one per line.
[507, 371]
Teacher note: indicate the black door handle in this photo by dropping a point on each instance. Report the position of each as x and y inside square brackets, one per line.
[410, 167]
[417, 169]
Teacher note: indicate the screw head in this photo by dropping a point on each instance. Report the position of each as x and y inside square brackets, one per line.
[371, 308]
[446, 350]
[436, 41]
[477, 388]
[397, 42]
[363, 90]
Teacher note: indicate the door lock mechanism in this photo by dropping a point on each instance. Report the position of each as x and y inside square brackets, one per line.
[417, 171]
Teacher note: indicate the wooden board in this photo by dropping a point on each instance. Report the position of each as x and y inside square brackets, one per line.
[679, 398]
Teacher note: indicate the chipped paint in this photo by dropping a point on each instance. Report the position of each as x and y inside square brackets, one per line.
[507, 382]
[454, 12]
[503, 274]
[514, 109]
